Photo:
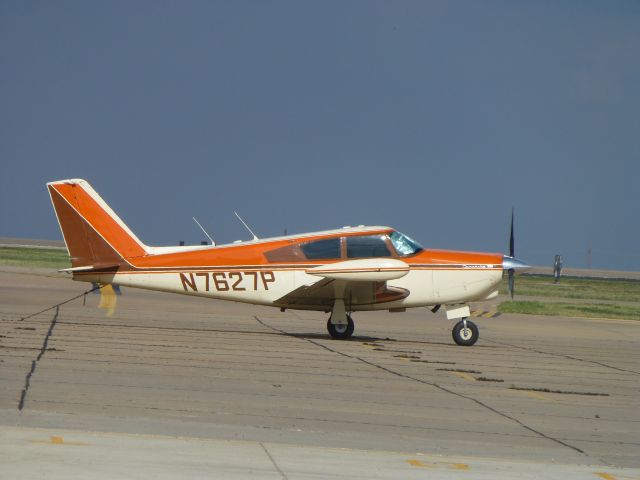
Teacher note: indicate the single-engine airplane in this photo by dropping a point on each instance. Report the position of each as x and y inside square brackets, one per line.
[336, 271]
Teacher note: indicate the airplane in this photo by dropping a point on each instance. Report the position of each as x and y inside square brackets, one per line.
[337, 271]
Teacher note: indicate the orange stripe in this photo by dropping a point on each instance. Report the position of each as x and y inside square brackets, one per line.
[100, 220]
[236, 255]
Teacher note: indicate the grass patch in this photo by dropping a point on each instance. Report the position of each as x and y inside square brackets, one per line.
[589, 310]
[55, 258]
[578, 288]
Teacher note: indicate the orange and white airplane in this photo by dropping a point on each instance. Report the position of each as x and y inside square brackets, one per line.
[338, 271]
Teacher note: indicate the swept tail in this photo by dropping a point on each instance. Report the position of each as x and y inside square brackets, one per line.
[95, 236]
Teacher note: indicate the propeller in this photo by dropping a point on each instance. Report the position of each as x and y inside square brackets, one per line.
[510, 263]
[512, 253]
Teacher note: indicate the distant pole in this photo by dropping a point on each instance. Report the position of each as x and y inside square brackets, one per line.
[557, 268]
[589, 257]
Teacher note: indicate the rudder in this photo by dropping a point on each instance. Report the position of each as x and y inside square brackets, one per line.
[95, 236]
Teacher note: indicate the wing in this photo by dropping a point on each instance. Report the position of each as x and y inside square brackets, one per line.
[321, 294]
[361, 282]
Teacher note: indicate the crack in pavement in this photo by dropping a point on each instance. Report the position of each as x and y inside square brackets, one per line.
[43, 349]
[275, 465]
[432, 384]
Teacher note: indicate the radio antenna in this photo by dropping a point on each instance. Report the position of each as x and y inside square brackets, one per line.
[255, 237]
[205, 232]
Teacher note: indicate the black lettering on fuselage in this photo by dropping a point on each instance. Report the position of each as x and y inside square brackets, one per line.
[191, 282]
[267, 277]
[206, 278]
[226, 281]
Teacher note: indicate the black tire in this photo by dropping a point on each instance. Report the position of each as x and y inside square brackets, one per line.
[468, 337]
[341, 332]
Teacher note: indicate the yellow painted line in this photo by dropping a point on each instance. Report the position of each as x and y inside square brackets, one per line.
[466, 376]
[450, 466]
[608, 476]
[532, 394]
[537, 395]
[485, 313]
[604, 476]
[56, 440]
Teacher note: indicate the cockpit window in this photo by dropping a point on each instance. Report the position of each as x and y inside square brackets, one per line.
[404, 245]
[322, 249]
[367, 246]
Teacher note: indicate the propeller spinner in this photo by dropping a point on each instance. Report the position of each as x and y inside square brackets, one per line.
[512, 264]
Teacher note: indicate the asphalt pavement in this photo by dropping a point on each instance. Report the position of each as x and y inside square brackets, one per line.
[172, 386]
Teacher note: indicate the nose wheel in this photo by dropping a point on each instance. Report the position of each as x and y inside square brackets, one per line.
[340, 331]
[465, 333]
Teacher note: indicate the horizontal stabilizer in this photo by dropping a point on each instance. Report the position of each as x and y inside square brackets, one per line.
[89, 268]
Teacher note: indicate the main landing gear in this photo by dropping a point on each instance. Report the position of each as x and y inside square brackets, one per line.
[340, 331]
[340, 324]
[465, 333]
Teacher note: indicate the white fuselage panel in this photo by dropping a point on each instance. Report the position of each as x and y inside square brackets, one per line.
[264, 287]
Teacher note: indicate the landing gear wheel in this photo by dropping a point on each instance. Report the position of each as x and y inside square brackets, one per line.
[465, 335]
[340, 332]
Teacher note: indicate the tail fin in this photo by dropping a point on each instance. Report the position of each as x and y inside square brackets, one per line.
[95, 236]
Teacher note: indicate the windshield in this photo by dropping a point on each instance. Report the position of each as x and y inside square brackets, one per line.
[404, 245]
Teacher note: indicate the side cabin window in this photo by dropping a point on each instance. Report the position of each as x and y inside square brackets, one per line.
[367, 246]
[322, 249]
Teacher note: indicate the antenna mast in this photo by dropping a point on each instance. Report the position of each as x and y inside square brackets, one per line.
[246, 226]
[205, 232]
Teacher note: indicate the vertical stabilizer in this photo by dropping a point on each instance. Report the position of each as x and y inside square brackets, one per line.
[95, 236]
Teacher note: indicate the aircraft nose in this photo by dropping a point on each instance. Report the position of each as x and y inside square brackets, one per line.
[511, 263]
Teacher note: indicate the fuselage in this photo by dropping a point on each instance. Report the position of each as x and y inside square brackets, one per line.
[266, 271]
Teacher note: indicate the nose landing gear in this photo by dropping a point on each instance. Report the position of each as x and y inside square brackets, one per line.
[465, 333]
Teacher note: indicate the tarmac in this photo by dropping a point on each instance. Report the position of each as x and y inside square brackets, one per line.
[170, 386]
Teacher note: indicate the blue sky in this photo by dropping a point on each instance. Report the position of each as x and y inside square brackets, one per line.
[434, 117]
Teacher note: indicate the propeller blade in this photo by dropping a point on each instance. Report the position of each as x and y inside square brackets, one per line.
[512, 249]
[512, 285]
[511, 264]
